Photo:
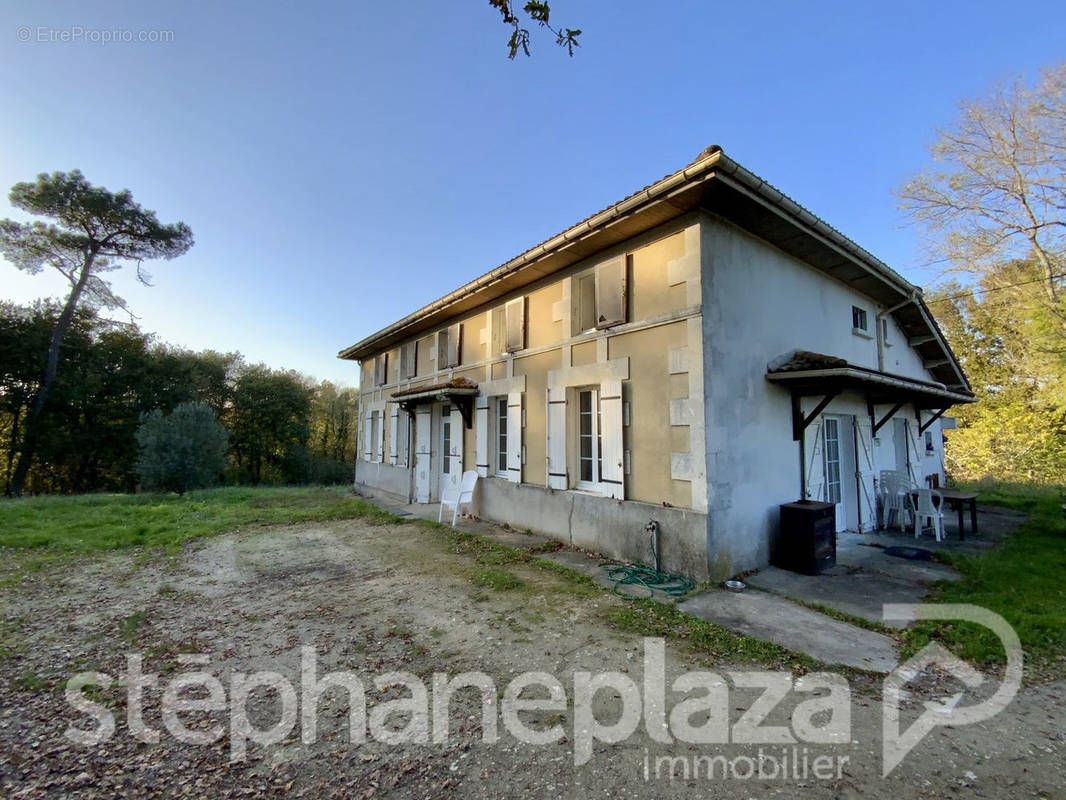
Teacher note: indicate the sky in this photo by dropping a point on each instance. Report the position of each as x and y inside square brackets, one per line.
[343, 163]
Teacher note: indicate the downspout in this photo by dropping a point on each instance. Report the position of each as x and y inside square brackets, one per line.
[915, 296]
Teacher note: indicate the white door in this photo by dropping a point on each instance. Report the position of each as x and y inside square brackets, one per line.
[451, 449]
[838, 448]
[899, 441]
[831, 450]
[423, 459]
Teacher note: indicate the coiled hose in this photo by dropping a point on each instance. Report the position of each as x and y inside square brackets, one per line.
[650, 579]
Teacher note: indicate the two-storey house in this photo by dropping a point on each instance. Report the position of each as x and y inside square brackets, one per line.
[695, 354]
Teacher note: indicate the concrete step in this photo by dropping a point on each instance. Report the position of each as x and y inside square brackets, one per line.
[771, 618]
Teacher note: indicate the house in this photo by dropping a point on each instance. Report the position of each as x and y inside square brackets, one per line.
[695, 354]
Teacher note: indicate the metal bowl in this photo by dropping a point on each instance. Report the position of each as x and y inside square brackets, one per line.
[735, 586]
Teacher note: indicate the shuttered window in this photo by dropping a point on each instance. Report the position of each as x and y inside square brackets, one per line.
[501, 435]
[586, 302]
[449, 346]
[446, 443]
[381, 369]
[455, 343]
[442, 349]
[611, 293]
[515, 322]
[408, 360]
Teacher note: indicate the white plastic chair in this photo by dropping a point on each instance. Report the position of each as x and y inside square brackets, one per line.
[930, 507]
[463, 495]
[895, 496]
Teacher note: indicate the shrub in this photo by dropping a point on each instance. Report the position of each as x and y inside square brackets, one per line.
[181, 451]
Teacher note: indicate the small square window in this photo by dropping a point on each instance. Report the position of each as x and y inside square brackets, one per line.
[858, 319]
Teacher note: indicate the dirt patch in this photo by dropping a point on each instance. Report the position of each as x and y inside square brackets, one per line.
[378, 599]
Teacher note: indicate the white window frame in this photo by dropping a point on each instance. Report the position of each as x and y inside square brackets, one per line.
[446, 442]
[595, 484]
[498, 405]
[884, 332]
[584, 288]
[858, 313]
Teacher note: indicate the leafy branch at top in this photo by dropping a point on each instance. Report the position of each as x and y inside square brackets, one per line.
[540, 13]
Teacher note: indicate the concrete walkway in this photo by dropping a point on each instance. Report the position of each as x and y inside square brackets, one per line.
[864, 579]
[775, 619]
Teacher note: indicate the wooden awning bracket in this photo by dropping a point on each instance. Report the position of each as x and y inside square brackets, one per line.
[463, 402]
[800, 423]
[922, 428]
[878, 425]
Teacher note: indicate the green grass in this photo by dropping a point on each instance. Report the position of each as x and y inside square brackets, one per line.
[499, 580]
[89, 523]
[652, 618]
[1024, 580]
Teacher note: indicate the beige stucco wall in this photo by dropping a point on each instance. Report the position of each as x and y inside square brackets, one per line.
[662, 295]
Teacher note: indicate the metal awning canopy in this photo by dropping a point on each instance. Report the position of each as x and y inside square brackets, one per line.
[462, 397]
[879, 389]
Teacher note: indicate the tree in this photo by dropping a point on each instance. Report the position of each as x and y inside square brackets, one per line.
[183, 450]
[539, 13]
[1017, 430]
[95, 231]
[998, 190]
[270, 422]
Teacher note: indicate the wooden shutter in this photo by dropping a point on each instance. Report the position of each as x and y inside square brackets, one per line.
[455, 343]
[611, 293]
[381, 367]
[481, 435]
[557, 438]
[408, 359]
[368, 436]
[514, 437]
[442, 349]
[379, 445]
[394, 430]
[515, 313]
[612, 472]
[423, 427]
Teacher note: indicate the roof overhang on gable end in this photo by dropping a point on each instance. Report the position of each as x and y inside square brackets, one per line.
[719, 185]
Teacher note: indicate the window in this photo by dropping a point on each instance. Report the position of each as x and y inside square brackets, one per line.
[515, 325]
[599, 297]
[500, 418]
[858, 320]
[375, 436]
[381, 369]
[884, 332]
[408, 360]
[586, 302]
[446, 442]
[929, 442]
[589, 463]
[611, 293]
[449, 343]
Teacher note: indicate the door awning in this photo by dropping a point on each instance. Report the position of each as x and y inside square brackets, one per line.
[459, 392]
[807, 374]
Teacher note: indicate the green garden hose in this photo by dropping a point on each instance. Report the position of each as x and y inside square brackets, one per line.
[651, 579]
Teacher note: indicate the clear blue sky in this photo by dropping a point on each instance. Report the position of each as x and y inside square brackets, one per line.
[342, 163]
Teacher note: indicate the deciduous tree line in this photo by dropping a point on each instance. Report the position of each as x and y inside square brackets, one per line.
[994, 205]
[283, 427]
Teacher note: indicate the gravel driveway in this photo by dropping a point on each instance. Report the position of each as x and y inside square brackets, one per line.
[404, 597]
